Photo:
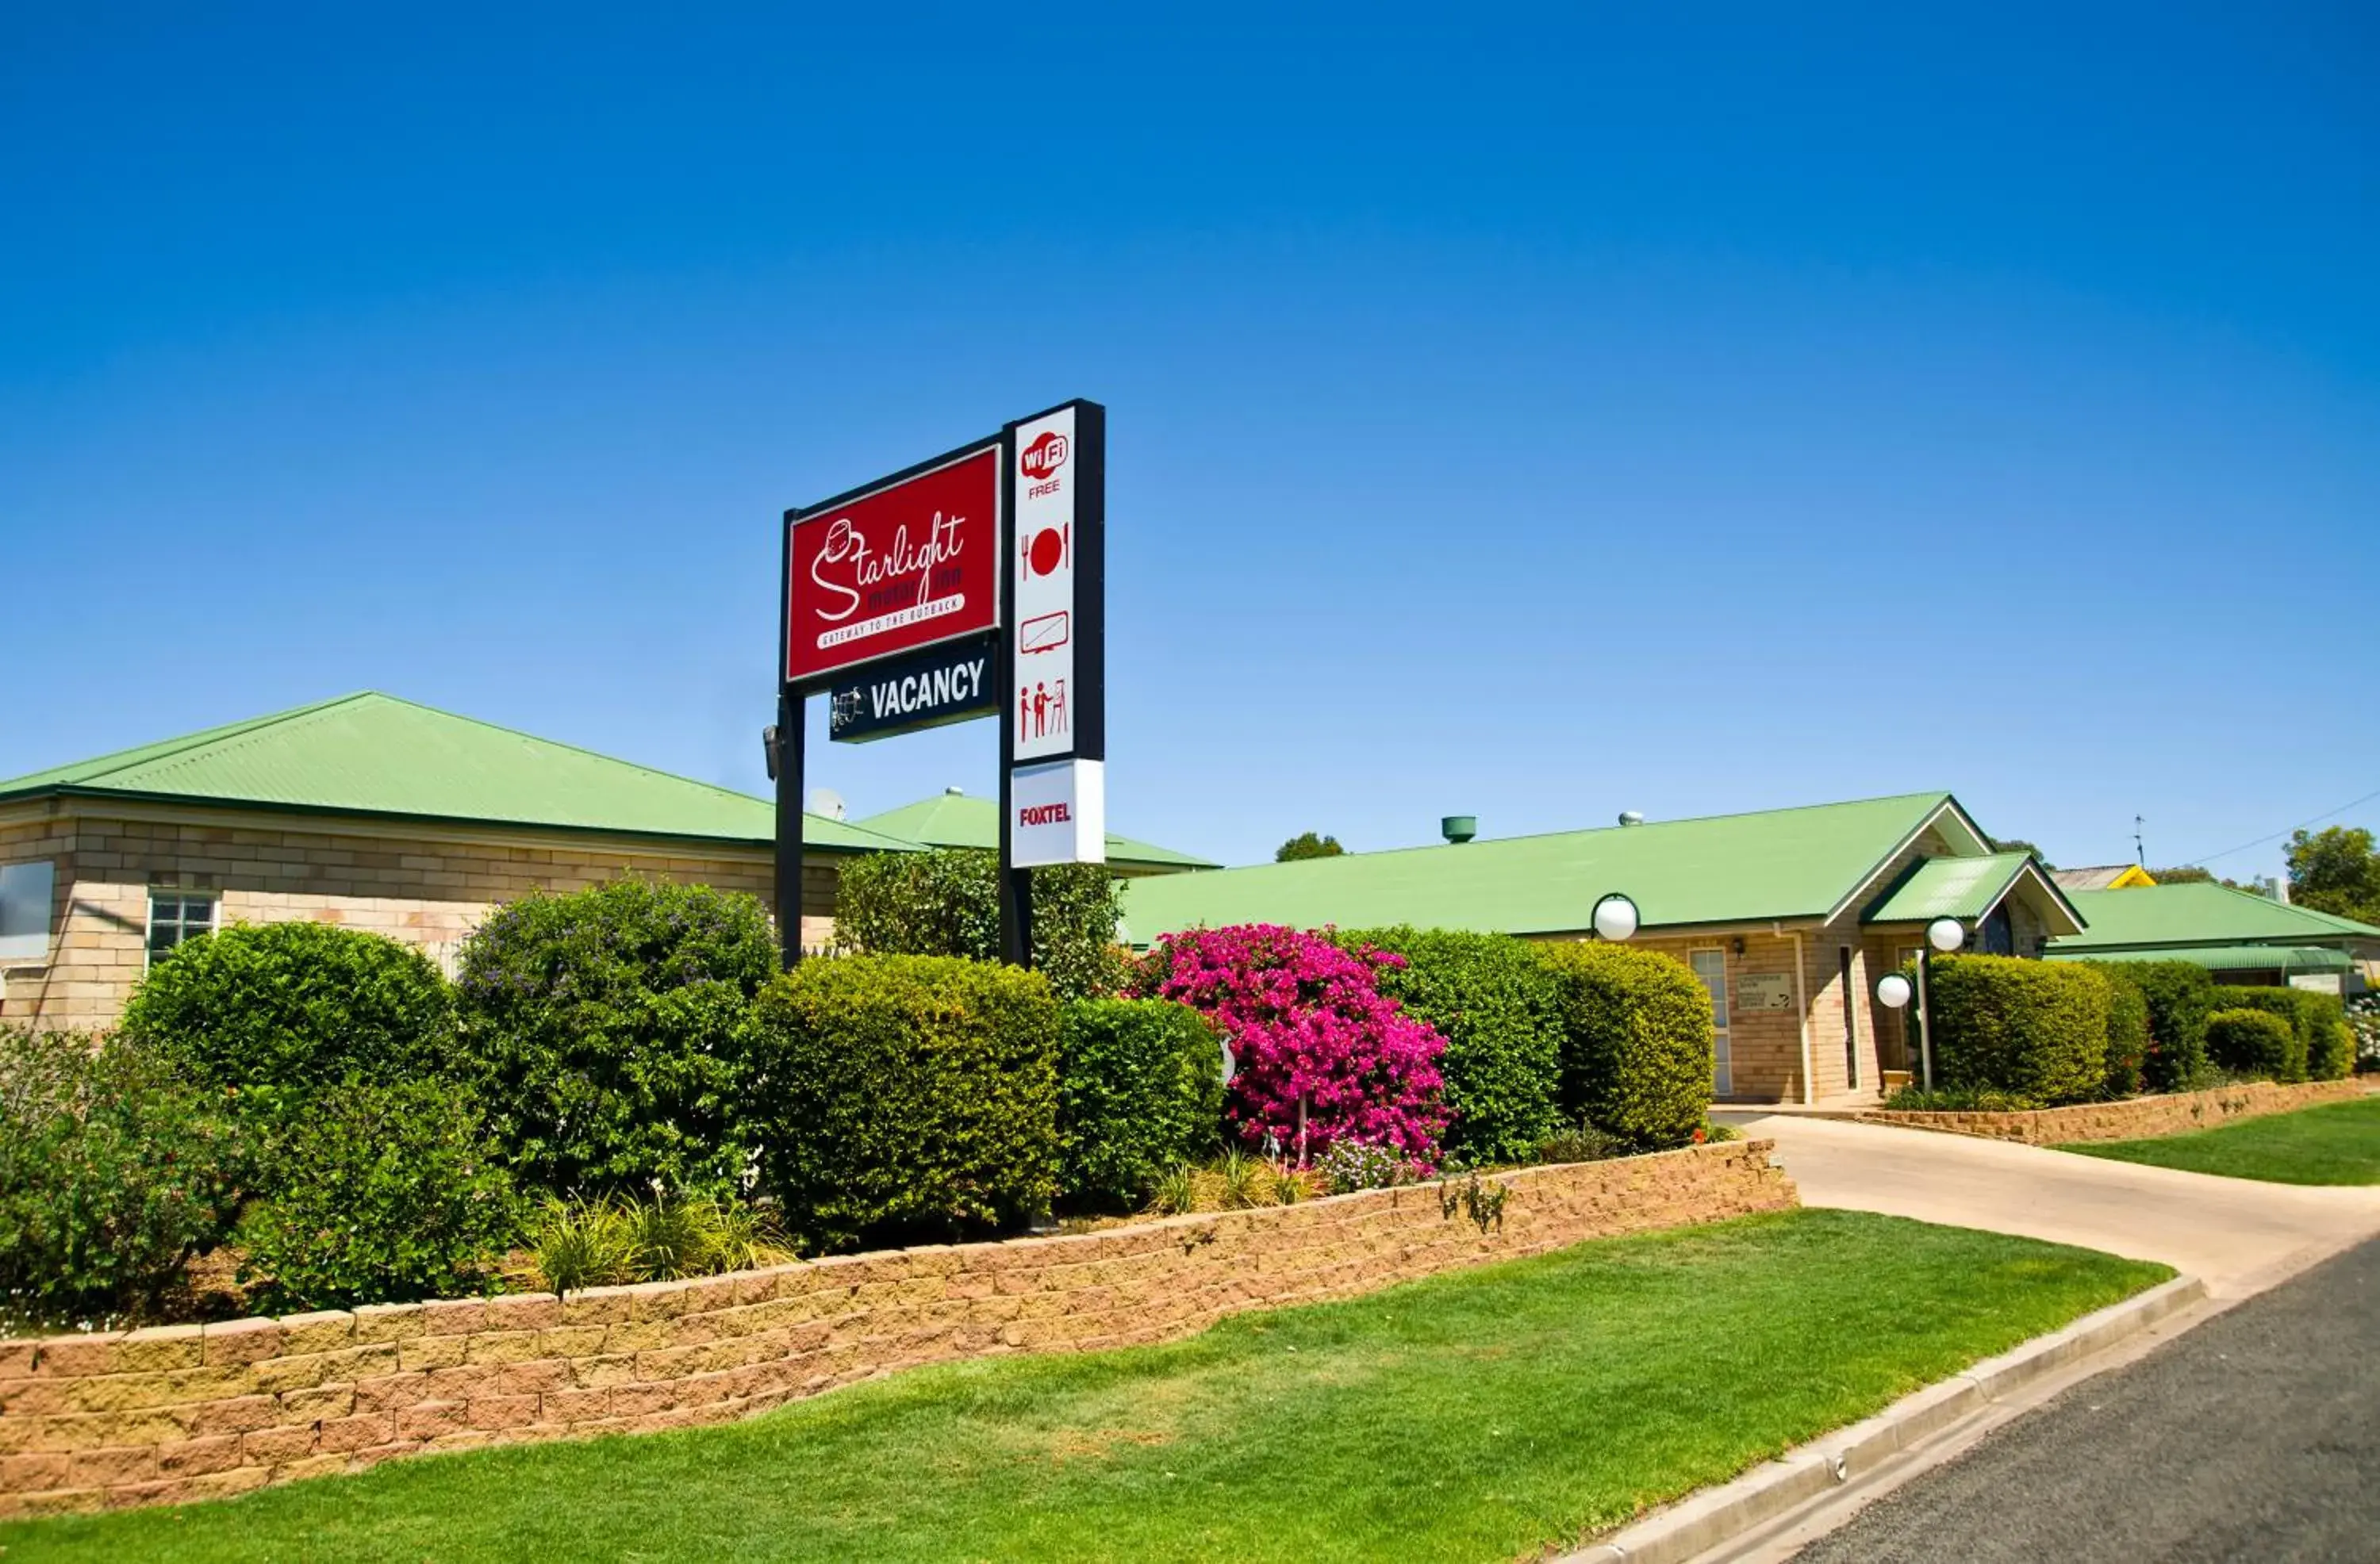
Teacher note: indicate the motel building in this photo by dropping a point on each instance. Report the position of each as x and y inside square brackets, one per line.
[375, 813]
[1787, 916]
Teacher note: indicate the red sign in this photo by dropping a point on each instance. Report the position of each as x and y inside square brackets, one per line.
[894, 569]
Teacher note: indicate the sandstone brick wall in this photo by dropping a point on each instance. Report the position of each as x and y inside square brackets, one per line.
[184, 1412]
[427, 885]
[2135, 1118]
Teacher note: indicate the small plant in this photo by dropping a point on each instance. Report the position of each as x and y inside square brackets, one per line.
[1481, 1201]
[606, 1241]
[1239, 1174]
[1288, 1188]
[1351, 1165]
[1714, 1131]
[1177, 1191]
[1580, 1143]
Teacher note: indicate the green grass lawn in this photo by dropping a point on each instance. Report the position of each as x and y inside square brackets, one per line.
[2336, 1143]
[1478, 1416]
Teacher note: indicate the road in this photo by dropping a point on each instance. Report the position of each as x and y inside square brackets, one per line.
[2255, 1437]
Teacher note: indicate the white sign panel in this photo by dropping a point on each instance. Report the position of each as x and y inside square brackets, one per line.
[1058, 814]
[1048, 696]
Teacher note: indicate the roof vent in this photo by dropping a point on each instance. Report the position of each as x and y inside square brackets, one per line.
[1632, 817]
[1459, 828]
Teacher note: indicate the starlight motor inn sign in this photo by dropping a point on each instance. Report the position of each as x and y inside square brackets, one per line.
[969, 585]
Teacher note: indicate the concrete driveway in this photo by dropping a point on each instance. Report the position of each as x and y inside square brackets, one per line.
[2238, 1236]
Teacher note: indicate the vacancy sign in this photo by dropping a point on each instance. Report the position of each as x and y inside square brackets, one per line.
[1055, 587]
[909, 563]
[1058, 814]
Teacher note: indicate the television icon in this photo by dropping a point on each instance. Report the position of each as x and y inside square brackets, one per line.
[1046, 633]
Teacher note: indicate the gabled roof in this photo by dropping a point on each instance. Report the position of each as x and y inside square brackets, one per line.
[2103, 876]
[1801, 863]
[2200, 913]
[953, 820]
[1967, 888]
[372, 754]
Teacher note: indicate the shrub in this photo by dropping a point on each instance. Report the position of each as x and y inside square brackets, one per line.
[946, 903]
[1579, 1143]
[1637, 1043]
[383, 1193]
[1318, 1053]
[2035, 1028]
[2255, 1043]
[1492, 999]
[1959, 1099]
[295, 1007]
[112, 1175]
[1140, 1090]
[600, 1029]
[905, 1093]
[2314, 1018]
[2363, 1027]
[2180, 996]
[2127, 1029]
[1351, 1165]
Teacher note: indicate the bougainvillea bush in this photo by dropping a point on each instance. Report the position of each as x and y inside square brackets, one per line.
[1320, 1054]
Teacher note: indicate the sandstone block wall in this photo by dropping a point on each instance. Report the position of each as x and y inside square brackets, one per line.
[2136, 1118]
[183, 1412]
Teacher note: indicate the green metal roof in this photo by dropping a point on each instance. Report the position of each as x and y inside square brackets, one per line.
[1719, 869]
[2224, 958]
[372, 754]
[953, 820]
[2198, 912]
[1966, 888]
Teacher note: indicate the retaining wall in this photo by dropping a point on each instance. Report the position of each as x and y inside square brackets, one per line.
[2133, 1119]
[181, 1412]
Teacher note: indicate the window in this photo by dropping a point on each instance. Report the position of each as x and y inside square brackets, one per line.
[25, 892]
[176, 915]
[1711, 967]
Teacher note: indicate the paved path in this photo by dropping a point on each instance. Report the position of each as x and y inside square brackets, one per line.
[2254, 1437]
[2237, 1235]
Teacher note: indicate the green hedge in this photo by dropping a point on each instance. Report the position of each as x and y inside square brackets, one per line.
[892, 1097]
[1140, 1092]
[2249, 1041]
[600, 1029]
[2180, 997]
[1495, 1002]
[2035, 1028]
[113, 1174]
[2127, 1029]
[382, 1193]
[2319, 1052]
[1637, 1040]
[293, 1006]
[946, 903]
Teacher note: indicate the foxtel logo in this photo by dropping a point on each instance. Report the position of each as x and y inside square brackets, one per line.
[1045, 455]
[1044, 815]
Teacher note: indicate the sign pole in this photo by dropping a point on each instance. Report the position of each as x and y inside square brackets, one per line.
[789, 825]
[1015, 884]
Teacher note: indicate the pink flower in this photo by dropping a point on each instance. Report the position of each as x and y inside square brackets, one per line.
[1321, 1054]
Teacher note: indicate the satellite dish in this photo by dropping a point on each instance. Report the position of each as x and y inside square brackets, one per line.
[826, 801]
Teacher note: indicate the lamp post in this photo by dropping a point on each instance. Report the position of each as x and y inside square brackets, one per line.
[1615, 918]
[1892, 990]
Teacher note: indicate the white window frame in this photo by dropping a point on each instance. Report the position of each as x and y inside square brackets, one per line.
[1722, 1038]
[149, 929]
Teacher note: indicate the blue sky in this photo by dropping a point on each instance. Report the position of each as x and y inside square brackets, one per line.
[1532, 415]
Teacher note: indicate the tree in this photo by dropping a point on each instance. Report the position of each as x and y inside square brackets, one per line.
[2181, 874]
[1305, 844]
[2336, 870]
[2019, 844]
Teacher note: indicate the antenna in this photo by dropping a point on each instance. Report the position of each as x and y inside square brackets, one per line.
[826, 801]
[2139, 853]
